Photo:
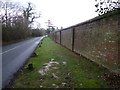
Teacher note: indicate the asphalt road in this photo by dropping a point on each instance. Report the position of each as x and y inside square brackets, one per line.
[14, 56]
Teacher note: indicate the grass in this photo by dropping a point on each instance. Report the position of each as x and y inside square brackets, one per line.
[78, 72]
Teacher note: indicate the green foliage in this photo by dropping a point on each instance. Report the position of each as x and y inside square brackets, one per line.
[16, 21]
[16, 31]
[37, 32]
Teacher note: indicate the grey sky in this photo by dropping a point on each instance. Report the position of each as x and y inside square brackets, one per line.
[63, 13]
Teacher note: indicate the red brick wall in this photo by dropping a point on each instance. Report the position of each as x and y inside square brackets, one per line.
[97, 39]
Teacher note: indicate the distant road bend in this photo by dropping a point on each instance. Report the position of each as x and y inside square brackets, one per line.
[15, 55]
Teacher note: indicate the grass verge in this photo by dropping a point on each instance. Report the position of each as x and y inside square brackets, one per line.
[77, 72]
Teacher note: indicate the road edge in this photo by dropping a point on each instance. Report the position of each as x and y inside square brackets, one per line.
[21, 68]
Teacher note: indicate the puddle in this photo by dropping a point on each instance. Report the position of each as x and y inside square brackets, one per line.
[46, 67]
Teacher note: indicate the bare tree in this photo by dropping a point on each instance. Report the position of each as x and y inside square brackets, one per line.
[105, 6]
[29, 14]
[9, 10]
[12, 21]
[16, 20]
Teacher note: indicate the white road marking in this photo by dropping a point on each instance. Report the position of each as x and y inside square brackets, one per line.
[14, 48]
[10, 49]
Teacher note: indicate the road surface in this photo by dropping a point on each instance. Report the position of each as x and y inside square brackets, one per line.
[15, 55]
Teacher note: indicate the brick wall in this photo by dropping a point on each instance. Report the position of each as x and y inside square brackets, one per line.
[97, 39]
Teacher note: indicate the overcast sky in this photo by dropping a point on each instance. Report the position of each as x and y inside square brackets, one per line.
[63, 13]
